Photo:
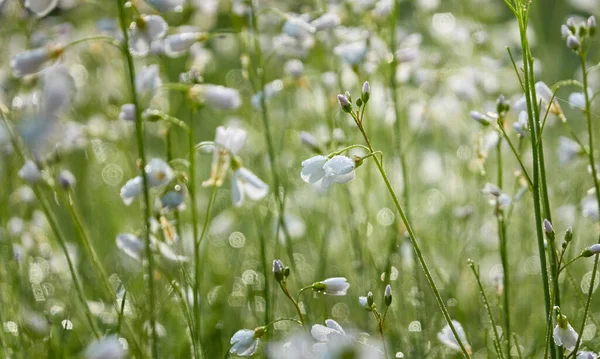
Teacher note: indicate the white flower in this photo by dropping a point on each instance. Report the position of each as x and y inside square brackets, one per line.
[587, 355]
[324, 172]
[109, 347]
[31, 61]
[565, 336]
[243, 343]
[245, 183]
[577, 99]
[228, 142]
[363, 302]
[336, 286]
[127, 112]
[447, 337]
[148, 81]
[178, 44]
[66, 179]
[144, 31]
[294, 68]
[131, 189]
[30, 172]
[216, 96]
[297, 27]
[130, 245]
[167, 5]
[352, 53]
[545, 93]
[323, 333]
[522, 124]
[568, 149]
[158, 172]
[326, 21]
[41, 8]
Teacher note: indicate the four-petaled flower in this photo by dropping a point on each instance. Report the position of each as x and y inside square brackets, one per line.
[323, 171]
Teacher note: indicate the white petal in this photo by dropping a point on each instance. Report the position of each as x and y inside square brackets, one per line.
[237, 192]
[130, 245]
[131, 189]
[253, 186]
[57, 89]
[235, 140]
[29, 62]
[335, 326]
[312, 169]
[178, 44]
[158, 172]
[321, 332]
[155, 26]
[339, 165]
[577, 100]
[41, 8]
[167, 5]
[139, 45]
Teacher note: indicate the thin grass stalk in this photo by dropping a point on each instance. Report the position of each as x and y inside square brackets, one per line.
[139, 130]
[503, 251]
[533, 125]
[413, 239]
[260, 71]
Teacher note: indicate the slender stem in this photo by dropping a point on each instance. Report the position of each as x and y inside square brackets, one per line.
[139, 130]
[260, 70]
[517, 156]
[199, 265]
[503, 251]
[294, 301]
[529, 90]
[487, 307]
[111, 40]
[380, 323]
[587, 303]
[413, 240]
[191, 185]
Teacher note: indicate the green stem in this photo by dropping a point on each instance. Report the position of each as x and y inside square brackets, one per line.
[587, 304]
[533, 125]
[191, 185]
[260, 70]
[294, 301]
[487, 308]
[517, 156]
[503, 251]
[139, 130]
[413, 240]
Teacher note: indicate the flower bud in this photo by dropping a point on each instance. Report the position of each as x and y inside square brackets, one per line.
[591, 24]
[387, 296]
[548, 227]
[591, 250]
[348, 96]
[502, 105]
[345, 103]
[573, 43]
[564, 31]
[571, 24]
[358, 161]
[569, 235]
[127, 112]
[370, 300]
[481, 118]
[278, 270]
[366, 92]
[66, 179]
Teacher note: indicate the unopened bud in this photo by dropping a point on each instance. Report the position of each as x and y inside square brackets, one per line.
[573, 43]
[370, 300]
[481, 118]
[591, 250]
[387, 296]
[591, 24]
[66, 179]
[502, 105]
[358, 161]
[569, 235]
[345, 103]
[366, 92]
[278, 270]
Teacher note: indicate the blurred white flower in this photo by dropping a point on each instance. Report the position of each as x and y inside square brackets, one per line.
[131, 189]
[130, 245]
[448, 339]
[323, 333]
[544, 93]
[127, 112]
[147, 81]
[577, 99]
[216, 96]
[108, 347]
[174, 199]
[521, 126]
[158, 172]
[244, 343]
[144, 31]
[568, 149]
[178, 44]
[294, 68]
[326, 21]
[336, 286]
[66, 179]
[352, 53]
[228, 142]
[363, 301]
[31, 61]
[297, 27]
[245, 183]
[564, 334]
[167, 5]
[41, 8]
[324, 172]
[30, 172]
[587, 355]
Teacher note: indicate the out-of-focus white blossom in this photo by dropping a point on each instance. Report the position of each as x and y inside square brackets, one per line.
[145, 30]
[31, 61]
[244, 343]
[30, 172]
[179, 44]
[245, 183]
[448, 339]
[216, 96]
[228, 142]
[108, 347]
[41, 8]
